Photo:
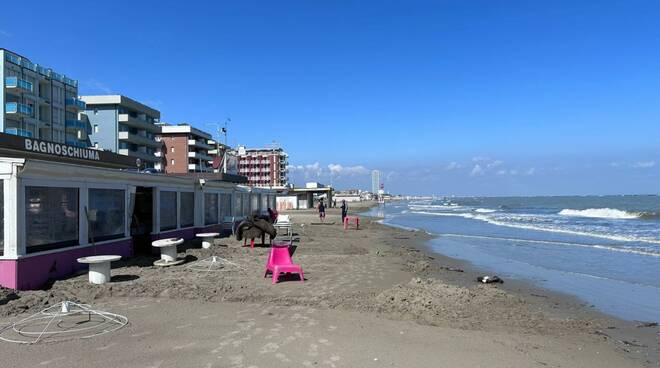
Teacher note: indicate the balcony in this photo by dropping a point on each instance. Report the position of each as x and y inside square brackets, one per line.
[77, 143]
[79, 125]
[141, 155]
[199, 144]
[198, 168]
[18, 85]
[74, 103]
[158, 154]
[19, 132]
[199, 156]
[133, 122]
[139, 140]
[19, 109]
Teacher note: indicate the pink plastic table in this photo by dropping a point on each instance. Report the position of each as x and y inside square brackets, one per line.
[348, 219]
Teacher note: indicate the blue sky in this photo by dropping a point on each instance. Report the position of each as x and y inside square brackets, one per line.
[444, 97]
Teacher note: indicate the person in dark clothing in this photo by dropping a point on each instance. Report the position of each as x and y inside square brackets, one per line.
[273, 215]
[321, 210]
[344, 210]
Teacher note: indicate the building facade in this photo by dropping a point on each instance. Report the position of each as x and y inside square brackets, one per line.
[264, 167]
[375, 181]
[186, 149]
[40, 103]
[124, 126]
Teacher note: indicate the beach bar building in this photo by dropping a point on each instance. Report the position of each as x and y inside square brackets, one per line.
[55, 208]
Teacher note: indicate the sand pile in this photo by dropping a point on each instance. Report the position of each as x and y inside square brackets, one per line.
[434, 302]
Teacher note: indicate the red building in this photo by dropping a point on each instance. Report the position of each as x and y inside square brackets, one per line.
[186, 149]
[264, 167]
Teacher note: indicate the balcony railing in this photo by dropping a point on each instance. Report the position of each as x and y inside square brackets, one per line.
[79, 124]
[77, 103]
[15, 82]
[19, 132]
[18, 108]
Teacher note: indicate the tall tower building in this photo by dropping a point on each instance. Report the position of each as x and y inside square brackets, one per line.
[375, 181]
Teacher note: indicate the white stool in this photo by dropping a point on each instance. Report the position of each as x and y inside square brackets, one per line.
[207, 239]
[167, 251]
[99, 267]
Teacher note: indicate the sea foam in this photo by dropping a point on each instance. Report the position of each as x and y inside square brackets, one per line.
[606, 213]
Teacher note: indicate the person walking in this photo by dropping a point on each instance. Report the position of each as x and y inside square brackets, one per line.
[344, 210]
[321, 211]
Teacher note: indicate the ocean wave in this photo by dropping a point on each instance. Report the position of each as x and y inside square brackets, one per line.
[573, 244]
[605, 213]
[494, 221]
[484, 210]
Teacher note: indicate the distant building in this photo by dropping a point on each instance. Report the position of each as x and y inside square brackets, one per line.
[375, 181]
[37, 102]
[124, 126]
[186, 149]
[264, 167]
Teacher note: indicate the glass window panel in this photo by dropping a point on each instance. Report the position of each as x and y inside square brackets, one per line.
[107, 214]
[187, 209]
[210, 208]
[51, 218]
[167, 210]
[246, 204]
[255, 202]
[226, 205]
[239, 204]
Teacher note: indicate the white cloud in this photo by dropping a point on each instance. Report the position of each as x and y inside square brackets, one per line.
[477, 170]
[531, 171]
[4, 33]
[643, 164]
[453, 166]
[480, 159]
[495, 163]
[337, 169]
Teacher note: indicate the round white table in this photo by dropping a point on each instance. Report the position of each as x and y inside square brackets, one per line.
[99, 267]
[167, 251]
[207, 239]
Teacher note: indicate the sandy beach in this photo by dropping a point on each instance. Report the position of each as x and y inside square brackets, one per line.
[372, 297]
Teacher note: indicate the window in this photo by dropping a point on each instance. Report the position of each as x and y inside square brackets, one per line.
[172, 149]
[96, 126]
[167, 210]
[107, 214]
[187, 209]
[172, 161]
[225, 205]
[239, 204]
[246, 204]
[210, 208]
[51, 218]
[255, 202]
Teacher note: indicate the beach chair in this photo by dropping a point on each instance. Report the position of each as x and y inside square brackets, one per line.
[284, 222]
[279, 261]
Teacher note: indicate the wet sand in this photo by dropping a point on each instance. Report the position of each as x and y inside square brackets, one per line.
[372, 297]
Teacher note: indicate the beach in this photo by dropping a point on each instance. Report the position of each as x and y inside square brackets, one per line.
[371, 297]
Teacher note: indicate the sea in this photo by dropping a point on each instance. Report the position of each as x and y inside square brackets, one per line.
[605, 250]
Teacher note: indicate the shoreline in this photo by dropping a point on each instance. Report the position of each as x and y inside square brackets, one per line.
[627, 335]
[378, 274]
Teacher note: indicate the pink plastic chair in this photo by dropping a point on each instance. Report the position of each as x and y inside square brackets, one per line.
[279, 261]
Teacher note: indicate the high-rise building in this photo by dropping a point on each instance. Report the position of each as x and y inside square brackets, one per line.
[375, 181]
[37, 102]
[264, 167]
[124, 126]
[186, 149]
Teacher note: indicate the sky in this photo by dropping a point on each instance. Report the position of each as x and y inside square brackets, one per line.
[443, 97]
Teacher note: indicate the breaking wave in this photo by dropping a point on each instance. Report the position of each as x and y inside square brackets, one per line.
[605, 213]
